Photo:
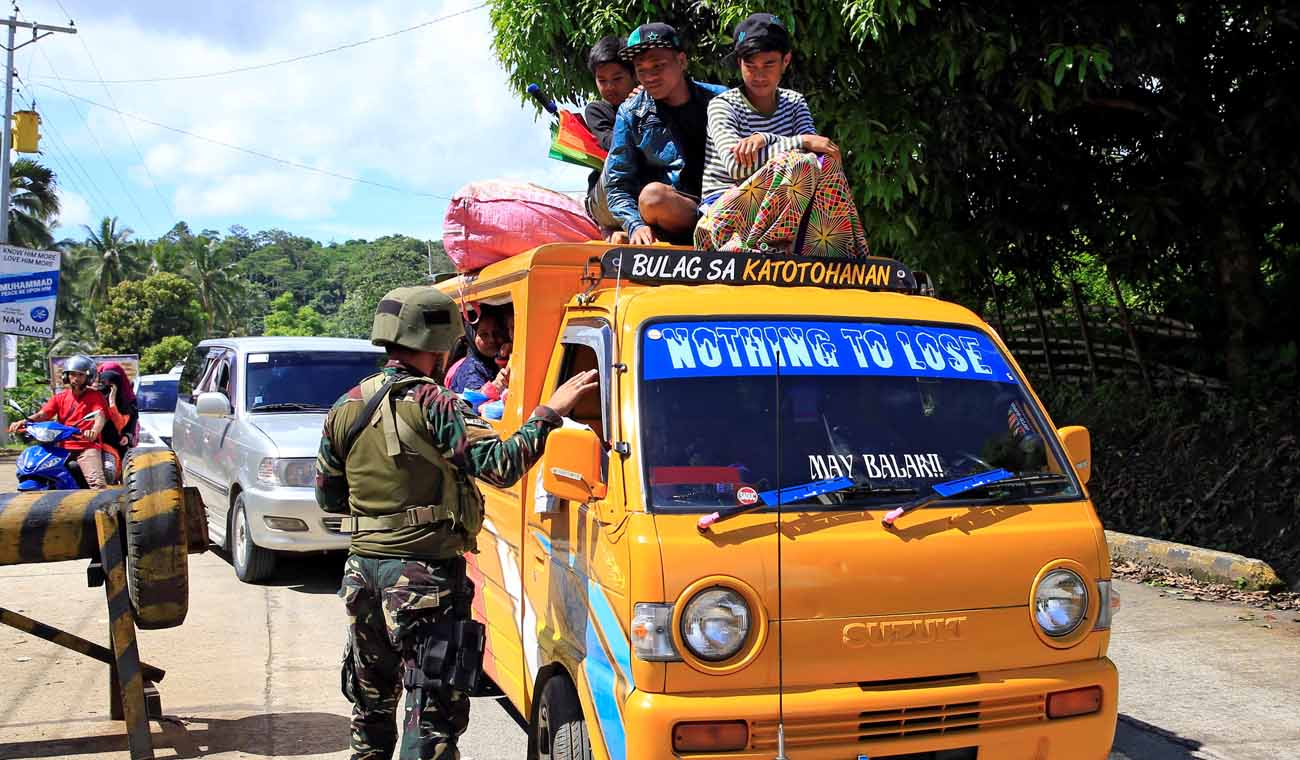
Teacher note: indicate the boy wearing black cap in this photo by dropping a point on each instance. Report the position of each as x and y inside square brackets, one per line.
[654, 173]
[753, 123]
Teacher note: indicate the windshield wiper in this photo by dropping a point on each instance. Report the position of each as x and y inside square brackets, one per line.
[289, 406]
[991, 482]
[799, 494]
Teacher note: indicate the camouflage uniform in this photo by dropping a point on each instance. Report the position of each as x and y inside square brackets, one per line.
[405, 587]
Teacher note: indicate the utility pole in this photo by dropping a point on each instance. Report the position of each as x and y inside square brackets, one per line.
[39, 32]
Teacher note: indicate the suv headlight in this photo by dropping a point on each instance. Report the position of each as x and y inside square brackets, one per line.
[297, 473]
[1060, 602]
[715, 624]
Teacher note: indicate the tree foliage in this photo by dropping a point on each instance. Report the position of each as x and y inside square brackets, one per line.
[999, 141]
[389, 263]
[140, 313]
[165, 354]
[33, 204]
[287, 318]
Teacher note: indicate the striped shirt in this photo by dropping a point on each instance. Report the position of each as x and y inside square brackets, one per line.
[732, 118]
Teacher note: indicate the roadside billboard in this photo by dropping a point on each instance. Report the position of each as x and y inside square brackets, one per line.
[129, 362]
[29, 290]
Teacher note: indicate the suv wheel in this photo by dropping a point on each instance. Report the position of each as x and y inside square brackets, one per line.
[252, 562]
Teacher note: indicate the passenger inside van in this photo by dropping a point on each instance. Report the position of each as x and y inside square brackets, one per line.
[488, 335]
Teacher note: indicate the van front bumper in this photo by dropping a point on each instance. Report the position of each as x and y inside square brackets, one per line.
[321, 532]
[1001, 713]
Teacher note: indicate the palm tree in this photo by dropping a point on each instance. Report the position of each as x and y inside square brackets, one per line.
[107, 258]
[33, 204]
[218, 283]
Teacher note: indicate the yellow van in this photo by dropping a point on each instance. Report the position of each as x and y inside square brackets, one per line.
[812, 513]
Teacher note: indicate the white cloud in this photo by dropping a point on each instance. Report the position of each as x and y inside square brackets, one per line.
[74, 211]
[428, 110]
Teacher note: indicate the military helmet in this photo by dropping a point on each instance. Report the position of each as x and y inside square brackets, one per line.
[79, 363]
[417, 318]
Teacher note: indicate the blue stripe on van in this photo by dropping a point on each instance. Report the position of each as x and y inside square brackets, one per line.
[610, 629]
[600, 677]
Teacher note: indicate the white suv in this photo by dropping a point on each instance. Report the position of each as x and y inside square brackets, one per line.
[249, 415]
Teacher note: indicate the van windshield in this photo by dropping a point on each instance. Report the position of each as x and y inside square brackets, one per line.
[305, 381]
[833, 415]
[156, 396]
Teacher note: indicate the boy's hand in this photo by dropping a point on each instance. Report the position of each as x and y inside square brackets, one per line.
[644, 235]
[822, 146]
[746, 151]
[573, 389]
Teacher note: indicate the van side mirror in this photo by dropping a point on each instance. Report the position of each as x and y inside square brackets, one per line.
[212, 404]
[1078, 447]
[571, 465]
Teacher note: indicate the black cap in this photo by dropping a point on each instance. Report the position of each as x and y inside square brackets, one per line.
[761, 31]
[648, 37]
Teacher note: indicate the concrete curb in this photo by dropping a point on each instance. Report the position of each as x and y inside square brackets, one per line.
[1205, 564]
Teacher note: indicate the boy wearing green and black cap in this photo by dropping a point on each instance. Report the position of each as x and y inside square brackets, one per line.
[655, 169]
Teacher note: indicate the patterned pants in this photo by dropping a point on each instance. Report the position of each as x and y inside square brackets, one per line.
[391, 604]
[797, 201]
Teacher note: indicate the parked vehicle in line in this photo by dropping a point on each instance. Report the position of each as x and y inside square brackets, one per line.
[249, 414]
[47, 466]
[155, 400]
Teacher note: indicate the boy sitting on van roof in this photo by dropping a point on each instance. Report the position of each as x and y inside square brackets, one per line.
[655, 167]
[751, 124]
[615, 80]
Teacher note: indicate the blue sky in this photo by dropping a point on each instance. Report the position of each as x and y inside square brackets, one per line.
[426, 111]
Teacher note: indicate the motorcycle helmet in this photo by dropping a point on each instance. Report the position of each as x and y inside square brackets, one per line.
[79, 363]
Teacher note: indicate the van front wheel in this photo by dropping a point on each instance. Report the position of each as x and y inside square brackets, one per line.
[560, 732]
[252, 562]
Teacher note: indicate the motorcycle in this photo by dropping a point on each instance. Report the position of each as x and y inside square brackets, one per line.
[48, 466]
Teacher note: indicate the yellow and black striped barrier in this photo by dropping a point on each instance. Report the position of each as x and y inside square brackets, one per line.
[138, 539]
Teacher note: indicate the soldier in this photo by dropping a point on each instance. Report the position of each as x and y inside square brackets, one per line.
[397, 455]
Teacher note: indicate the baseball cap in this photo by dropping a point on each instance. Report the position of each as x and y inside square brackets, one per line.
[760, 31]
[650, 36]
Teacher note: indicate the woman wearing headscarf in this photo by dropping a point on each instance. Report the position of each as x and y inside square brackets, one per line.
[123, 417]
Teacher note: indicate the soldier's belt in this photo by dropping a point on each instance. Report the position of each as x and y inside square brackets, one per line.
[426, 515]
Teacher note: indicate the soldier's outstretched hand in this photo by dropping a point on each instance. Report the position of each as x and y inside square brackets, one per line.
[567, 395]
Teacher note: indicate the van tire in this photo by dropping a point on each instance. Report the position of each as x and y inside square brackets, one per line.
[157, 540]
[252, 563]
[560, 731]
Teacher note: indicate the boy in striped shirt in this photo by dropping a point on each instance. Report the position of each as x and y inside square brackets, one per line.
[758, 121]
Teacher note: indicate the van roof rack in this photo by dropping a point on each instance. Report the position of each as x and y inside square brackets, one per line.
[666, 266]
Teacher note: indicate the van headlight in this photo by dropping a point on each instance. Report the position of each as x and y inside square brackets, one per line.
[715, 624]
[1060, 602]
[295, 473]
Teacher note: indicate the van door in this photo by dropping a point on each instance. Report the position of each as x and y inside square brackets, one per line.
[562, 537]
[185, 423]
[209, 434]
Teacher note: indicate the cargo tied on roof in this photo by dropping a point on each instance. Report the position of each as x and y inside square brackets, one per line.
[495, 219]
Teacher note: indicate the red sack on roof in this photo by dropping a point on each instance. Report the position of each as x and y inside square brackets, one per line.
[495, 219]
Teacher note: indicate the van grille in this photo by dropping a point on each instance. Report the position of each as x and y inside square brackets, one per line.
[877, 725]
[332, 524]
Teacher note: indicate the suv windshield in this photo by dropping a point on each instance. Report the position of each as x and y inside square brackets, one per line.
[833, 414]
[305, 381]
[156, 396]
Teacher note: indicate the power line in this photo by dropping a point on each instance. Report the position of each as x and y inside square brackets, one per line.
[249, 151]
[130, 137]
[282, 62]
[69, 157]
[103, 153]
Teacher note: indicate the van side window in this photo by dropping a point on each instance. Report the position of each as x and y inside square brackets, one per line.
[192, 374]
[222, 377]
[586, 345]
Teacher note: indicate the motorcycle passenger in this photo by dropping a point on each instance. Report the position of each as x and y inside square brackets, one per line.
[81, 406]
[123, 416]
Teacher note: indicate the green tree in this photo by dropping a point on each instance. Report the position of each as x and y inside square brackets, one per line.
[140, 313]
[375, 268]
[108, 258]
[985, 139]
[287, 319]
[165, 354]
[33, 204]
